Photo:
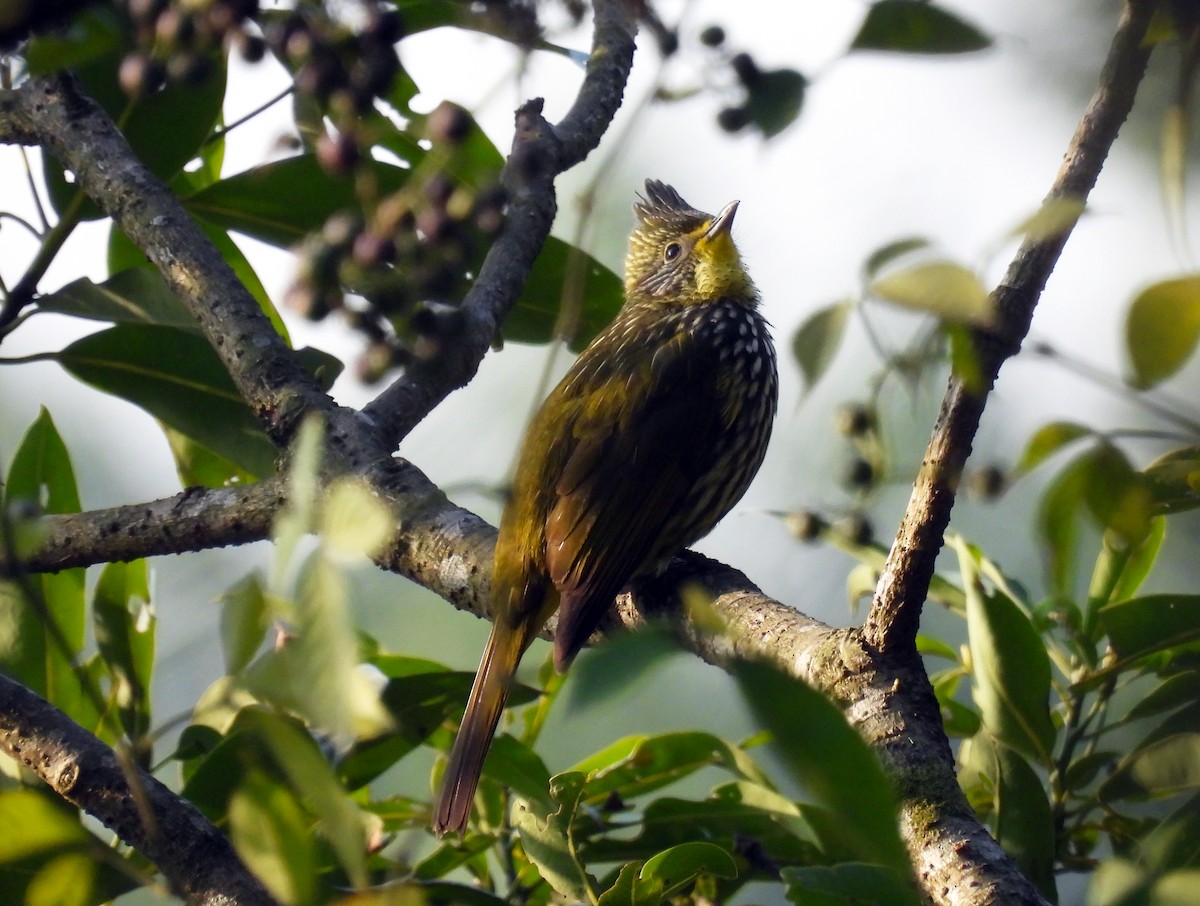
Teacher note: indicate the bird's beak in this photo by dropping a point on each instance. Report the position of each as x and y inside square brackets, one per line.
[722, 223]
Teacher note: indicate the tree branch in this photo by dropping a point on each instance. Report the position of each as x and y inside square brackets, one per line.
[895, 614]
[197, 861]
[56, 115]
[540, 152]
[193, 520]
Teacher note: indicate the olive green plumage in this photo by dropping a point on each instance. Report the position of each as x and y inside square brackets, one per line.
[650, 438]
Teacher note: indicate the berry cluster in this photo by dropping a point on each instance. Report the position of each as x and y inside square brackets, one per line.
[397, 271]
[178, 41]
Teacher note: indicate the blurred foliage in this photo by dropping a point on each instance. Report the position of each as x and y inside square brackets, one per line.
[1070, 713]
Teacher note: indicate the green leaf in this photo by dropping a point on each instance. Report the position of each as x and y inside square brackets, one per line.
[125, 626]
[639, 764]
[848, 884]
[1174, 480]
[820, 750]
[561, 275]
[1058, 523]
[775, 99]
[1010, 667]
[1175, 841]
[735, 811]
[517, 768]
[198, 466]
[65, 880]
[272, 836]
[36, 824]
[818, 339]
[312, 778]
[626, 891]
[677, 867]
[1162, 329]
[1142, 626]
[191, 107]
[946, 290]
[44, 636]
[917, 26]
[1173, 692]
[885, 255]
[1024, 821]
[176, 377]
[123, 254]
[1048, 440]
[1164, 767]
[245, 619]
[280, 202]
[138, 296]
[545, 831]
[1117, 497]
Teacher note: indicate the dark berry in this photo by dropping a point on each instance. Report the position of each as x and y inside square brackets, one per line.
[733, 119]
[747, 70]
[448, 123]
[713, 36]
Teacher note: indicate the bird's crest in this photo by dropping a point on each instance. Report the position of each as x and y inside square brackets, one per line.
[663, 206]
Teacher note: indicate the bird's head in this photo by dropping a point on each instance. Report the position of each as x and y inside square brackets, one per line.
[678, 254]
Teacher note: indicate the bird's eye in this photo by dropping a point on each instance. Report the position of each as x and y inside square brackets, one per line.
[672, 251]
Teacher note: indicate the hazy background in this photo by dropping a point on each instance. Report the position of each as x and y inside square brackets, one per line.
[956, 149]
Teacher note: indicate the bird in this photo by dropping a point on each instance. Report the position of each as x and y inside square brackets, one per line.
[652, 436]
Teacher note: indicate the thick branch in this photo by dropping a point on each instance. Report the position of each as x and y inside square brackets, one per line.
[193, 520]
[197, 861]
[895, 613]
[540, 152]
[86, 141]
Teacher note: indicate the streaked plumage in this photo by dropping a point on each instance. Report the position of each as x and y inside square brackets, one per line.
[651, 437]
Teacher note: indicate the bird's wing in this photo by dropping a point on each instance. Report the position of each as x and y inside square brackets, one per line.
[634, 460]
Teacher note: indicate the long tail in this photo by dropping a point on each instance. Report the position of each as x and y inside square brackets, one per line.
[488, 695]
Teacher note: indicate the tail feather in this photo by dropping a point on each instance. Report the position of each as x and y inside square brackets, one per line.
[486, 703]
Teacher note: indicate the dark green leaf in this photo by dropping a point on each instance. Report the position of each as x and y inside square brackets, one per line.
[165, 129]
[1024, 821]
[563, 275]
[124, 626]
[917, 26]
[625, 890]
[829, 759]
[1010, 667]
[138, 296]
[775, 99]
[677, 867]
[1117, 496]
[818, 339]
[452, 855]
[1142, 626]
[176, 377]
[1175, 841]
[93, 32]
[46, 633]
[1162, 329]
[545, 831]
[1173, 692]
[733, 812]
[1048, 440]
[515, 766]
[280, 202]
[444, 893]
[848, 884]
[610, 669]
[1174, 480]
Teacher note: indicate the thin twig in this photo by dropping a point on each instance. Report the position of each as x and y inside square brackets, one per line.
[895, 612]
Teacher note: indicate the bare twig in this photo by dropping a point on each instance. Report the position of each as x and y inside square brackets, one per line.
[895, 614]
[540, 152]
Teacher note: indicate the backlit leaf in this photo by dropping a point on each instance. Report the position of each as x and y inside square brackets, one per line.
[943, 289]
[818, 339]
[1162, 329]
[545, 831]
